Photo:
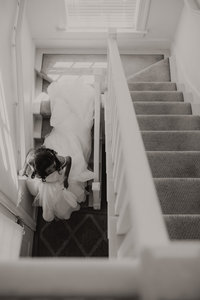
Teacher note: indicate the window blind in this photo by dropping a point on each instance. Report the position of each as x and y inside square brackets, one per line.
[101, 13]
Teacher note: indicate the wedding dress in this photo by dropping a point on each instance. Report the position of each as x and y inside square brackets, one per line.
[72, 112]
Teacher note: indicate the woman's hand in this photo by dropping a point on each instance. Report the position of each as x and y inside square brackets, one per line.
[67, 170]
[66, 184]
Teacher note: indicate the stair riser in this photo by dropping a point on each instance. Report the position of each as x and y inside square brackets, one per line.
[145, 108]
[157, 96]
[175, 193]
[174, 164]
[171, 141]
[169, 122]
[152, 86]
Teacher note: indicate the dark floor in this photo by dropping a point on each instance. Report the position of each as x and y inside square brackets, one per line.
[83, 235]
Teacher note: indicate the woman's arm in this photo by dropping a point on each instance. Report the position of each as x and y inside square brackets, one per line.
[68, 165]
[28, 167]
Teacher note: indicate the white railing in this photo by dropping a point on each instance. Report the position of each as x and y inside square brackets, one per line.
[135, 203]
[96, 185]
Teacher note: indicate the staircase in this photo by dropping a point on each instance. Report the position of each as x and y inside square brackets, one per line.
[148, 265]
[171, 136]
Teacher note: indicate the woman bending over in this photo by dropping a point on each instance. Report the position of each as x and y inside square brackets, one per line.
[60, 167]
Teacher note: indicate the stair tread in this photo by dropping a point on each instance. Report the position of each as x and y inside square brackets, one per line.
[183, 227]
[168, 122]
[152, 86]
[171, 140]
[156, 103]
[158, 92]
[179, 195]
[171, 131]
[177, 164]
[171, 117]
[170, 152]
[158, 96]
[152, 82]
[162, 108]
[186, 179]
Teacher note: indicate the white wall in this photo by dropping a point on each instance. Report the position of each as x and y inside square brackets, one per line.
[186, 49]
[8, 119]
[27, 52]
[163, 19]
[8, 172]
[28, 62]
[8, 95]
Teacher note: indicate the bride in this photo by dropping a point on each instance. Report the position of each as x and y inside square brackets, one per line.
[59, 186]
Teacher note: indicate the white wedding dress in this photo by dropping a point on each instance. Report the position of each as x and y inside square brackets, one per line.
[72, 111]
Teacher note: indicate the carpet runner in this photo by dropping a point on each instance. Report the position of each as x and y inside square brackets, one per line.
[171, 136]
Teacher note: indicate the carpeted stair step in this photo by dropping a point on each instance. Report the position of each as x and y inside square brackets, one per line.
[173, 122]
[176, 164]
[164, 108]
[152, 86]
[179, 195]
[163, 96]
[183, 227]
[45, 108]
[46, 127]
[38, 143]
[171, 140]
[156, 72]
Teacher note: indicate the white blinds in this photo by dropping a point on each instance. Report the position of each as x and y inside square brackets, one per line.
[101, 13]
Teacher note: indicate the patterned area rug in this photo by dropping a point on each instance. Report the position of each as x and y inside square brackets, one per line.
[83, 235]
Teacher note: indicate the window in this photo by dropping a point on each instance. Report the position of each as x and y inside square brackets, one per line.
[101, 14]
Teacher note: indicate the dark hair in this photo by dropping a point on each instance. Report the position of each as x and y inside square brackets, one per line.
[44, 157]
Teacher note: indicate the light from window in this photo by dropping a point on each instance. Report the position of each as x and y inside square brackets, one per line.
[101, 13]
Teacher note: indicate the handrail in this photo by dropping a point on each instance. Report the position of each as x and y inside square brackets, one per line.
[192, 6]
[147, 226]
[97, 278]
